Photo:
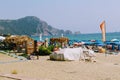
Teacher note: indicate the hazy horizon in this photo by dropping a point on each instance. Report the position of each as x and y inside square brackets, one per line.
[75, 15]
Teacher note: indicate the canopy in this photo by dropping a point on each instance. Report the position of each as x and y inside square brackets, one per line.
[60, 40]
[115, 40]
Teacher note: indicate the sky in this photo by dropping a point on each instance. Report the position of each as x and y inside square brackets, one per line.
[75, 15]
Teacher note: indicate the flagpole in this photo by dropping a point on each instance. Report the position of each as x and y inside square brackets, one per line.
[105, 31]
[105, 41]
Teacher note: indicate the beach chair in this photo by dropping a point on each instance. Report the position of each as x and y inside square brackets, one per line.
[88, 55]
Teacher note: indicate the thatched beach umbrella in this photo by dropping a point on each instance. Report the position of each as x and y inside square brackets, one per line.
[59, 40]
[12, 39]
[23, 39]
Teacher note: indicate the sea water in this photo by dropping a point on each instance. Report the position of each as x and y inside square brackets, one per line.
[80, 37]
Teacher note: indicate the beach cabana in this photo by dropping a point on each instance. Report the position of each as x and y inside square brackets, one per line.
[21, 42]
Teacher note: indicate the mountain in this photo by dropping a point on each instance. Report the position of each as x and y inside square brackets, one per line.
[29, 25]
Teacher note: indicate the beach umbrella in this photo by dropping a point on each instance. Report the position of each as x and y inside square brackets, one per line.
[107, 43]
[101, 44]
[88, 43]
[82, 42]
[75, 43]
[98, 42]
[114, 43]
[114, 40]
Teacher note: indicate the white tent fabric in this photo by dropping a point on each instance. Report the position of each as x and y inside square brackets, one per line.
[70, 54]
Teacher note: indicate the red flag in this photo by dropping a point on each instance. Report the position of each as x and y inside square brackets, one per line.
[102, 27]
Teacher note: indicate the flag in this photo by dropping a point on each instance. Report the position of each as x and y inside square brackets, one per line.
[103, 29]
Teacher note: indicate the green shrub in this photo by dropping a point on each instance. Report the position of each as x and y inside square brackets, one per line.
[44, 51]
[51, 47]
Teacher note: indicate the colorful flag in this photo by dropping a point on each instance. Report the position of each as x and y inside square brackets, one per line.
[103, 29]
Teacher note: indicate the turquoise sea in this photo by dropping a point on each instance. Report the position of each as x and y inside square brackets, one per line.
[79, 37]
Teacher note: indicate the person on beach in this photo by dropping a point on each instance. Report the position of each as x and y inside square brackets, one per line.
[37, 54]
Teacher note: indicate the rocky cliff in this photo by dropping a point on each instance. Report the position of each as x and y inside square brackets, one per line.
[29, 25]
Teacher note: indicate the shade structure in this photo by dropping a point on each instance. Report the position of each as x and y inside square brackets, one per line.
[101, 44]
[12, 39]
[115, 40]
[61, 39]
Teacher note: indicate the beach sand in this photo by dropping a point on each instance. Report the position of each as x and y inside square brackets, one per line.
[105, 68]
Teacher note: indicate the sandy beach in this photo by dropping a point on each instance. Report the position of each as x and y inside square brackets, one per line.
[105, 68]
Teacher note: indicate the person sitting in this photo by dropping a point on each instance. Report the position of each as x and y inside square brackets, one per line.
[56, 48]
[89, 54]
